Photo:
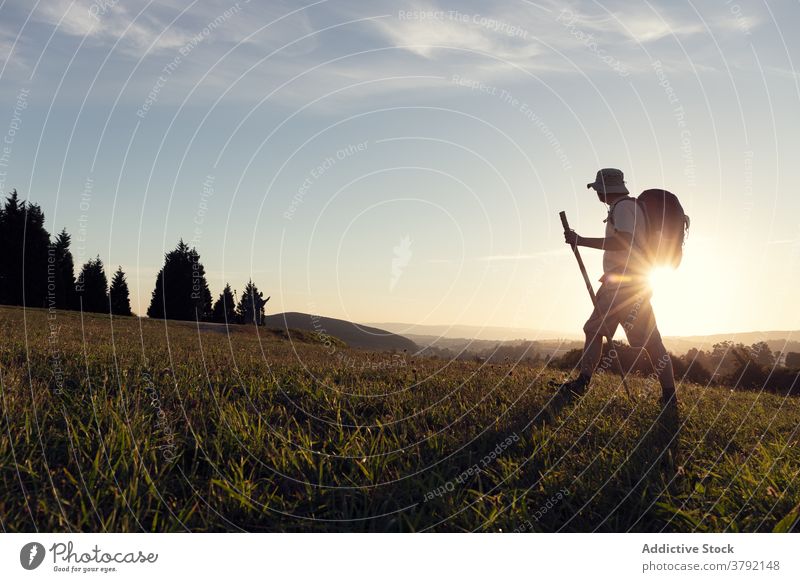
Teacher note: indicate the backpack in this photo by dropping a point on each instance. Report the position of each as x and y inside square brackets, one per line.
[667, 226]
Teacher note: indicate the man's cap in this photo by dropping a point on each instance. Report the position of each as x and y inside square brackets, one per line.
[609, 181]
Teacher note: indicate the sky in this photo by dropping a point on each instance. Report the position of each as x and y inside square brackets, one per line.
[388, 161]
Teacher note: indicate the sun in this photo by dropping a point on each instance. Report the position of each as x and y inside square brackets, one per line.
[673, 300]
[699, 297]
[661, 279]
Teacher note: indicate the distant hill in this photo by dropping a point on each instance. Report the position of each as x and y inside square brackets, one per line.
[353, 334]
[476, 332]
[778, 341]
[469, 338]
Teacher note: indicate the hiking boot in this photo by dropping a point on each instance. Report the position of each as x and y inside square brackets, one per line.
[575, 387]
[669, 400]
[669, 418]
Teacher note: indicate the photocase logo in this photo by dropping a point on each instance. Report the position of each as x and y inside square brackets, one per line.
[31, 555]
[402, 256]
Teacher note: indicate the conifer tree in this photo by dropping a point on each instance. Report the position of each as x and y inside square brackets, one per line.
[225, 307]
[118, 295]
[64, 272]
[181, 290]
[92, 287]
[24, 248]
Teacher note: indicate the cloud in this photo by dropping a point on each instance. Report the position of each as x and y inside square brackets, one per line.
[623, 22]
[508, 258]
[524, 256]
[11, 58]
[105, 25]
[5, 52]
[644, 28]
[783, 72]
[168, 25]
[549, 36]
[428, 31]
[420, 47]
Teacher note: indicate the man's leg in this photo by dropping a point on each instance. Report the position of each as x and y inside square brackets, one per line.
[592, 351]
[605, 316]
[663, 367]
[643, 332]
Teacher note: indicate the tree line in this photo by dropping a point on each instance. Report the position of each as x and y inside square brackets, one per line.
[754, 367]
[38, 270]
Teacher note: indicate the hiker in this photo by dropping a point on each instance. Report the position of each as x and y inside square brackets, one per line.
[624, 295]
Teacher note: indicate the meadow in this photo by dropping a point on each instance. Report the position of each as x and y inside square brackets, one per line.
[140, 425]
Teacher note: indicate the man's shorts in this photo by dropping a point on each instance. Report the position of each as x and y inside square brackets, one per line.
[627, 306]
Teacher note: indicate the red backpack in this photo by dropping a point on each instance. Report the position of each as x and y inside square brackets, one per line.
[667, 226]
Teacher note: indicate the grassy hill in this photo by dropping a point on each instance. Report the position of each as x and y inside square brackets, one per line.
[154, 427]
[354, 335]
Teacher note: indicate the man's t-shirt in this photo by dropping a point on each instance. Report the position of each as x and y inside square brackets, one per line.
[626, 216]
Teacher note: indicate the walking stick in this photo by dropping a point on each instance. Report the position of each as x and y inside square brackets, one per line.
[589, 288]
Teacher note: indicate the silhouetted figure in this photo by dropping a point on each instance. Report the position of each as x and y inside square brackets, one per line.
[251, 305]
[624, 296]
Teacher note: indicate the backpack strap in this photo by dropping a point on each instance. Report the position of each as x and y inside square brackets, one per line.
[640, 215]
[613, 206]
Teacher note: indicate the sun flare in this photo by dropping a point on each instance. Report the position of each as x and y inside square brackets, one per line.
[661, 279]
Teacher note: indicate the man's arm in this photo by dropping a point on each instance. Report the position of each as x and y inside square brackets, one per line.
[621, 241]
